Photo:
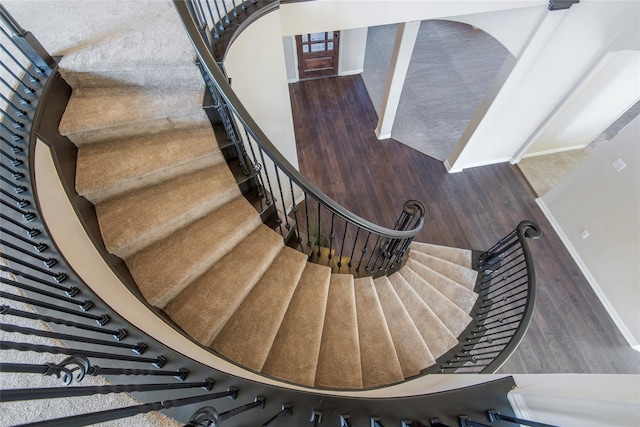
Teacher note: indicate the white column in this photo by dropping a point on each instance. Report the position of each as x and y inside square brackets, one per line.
[405, 40]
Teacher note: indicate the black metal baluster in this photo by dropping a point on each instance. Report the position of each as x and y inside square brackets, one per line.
[14, 148]
[137, 348]
[70, 291]
[58, 277]
[101, 320]
[258, 168]
[38, 246]
[353, 248]
[367, 267]
[15, 136]
[345, 420]
[273, 197]
[48, 262]
[344, 238]
[118, 334]
[26, 43]
[129, 411]
[33, 78]
[364, 251]
[14, 161]
[15, 175]
[226, 13]
[24, 101]
[306, 212]
[375, 422]
[215, 3]
[84, 305]
[28, 90]
[465, 421]
[318, 238]
[12, 395]
[21, 203]
[19, 112]
[235, 8]
[31, 232]
[294, 209]
[180, 374]
[284, 206]
[316, 417]
[287, 409]
[331, 235]
[259, 402]
[16, 124]
[71, 368]
[158, 361]
[495, 415]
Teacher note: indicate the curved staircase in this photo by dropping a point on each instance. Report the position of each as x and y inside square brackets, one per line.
[168, 204]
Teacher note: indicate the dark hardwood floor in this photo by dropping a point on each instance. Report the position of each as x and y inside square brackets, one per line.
[334, 120]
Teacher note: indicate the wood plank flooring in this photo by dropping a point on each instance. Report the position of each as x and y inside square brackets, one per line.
[334, 121]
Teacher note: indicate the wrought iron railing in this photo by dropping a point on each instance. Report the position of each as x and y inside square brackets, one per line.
[507, 290]
[83, 337]
[309, 220]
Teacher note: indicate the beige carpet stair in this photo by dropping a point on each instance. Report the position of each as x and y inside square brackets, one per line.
[104, 171]
[248, 335]
[380, 364]
[339, 363]
[163, 269]
[101, 114]
[168, 204]
[296, 347]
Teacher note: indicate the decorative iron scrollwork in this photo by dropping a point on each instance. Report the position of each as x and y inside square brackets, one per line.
[71, 368]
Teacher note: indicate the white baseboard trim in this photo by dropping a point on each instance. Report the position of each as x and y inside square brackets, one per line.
[587, 274]
[553, 151]
[292, 81]
[519, 405]
[452, 169]
[381, 137]
[351, 72]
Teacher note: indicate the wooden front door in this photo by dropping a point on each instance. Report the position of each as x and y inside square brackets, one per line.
[318, 54]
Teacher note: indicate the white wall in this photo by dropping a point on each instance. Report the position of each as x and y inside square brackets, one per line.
[290, 58]
[609, 90]
[562, 50]
[353, 45]
[324, 15]
[260, 81]
[606, 203]
[578, 400]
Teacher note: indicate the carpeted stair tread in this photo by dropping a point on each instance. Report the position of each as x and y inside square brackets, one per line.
[163, 269]
[411, 349]
[294, 353]
[434, 333]
[455, 255]
[458, 273]
[204, 307]
[100, 114]
[339, 365]
[248, 335]
[107, 169]
[135, 220]
[380, 364]
[460, 295]
[450, 314]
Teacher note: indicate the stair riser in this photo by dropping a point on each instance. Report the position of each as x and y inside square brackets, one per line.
[174, 77]
[158, 176]
[132, 129]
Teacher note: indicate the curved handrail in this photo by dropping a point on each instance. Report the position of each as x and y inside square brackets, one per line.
[525, 230]
[226, 92]
[502, 314]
